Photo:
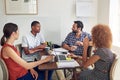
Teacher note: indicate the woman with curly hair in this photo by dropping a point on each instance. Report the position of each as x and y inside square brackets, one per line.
[102, 57]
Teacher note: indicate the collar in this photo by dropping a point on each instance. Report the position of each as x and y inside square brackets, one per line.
[32, 34]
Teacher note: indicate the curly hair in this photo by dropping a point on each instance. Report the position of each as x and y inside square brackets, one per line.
[101, 36]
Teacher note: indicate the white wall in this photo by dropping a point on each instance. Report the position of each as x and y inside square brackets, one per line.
[114, 20]
[103, 11]
[55, 16]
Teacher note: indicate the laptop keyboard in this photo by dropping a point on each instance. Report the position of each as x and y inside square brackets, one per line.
[62, 57]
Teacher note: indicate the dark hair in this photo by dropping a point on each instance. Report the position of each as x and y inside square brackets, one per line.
[79, 24]
[7, 31]
[34, 23]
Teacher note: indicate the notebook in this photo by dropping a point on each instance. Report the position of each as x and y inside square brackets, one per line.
[67, 64]
[60, 50]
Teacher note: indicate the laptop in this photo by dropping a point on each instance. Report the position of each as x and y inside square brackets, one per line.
[63, 58]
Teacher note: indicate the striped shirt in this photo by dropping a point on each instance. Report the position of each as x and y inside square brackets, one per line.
[71, 40]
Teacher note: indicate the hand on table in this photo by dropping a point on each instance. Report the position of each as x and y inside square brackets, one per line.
[49, 58]
[72, 55]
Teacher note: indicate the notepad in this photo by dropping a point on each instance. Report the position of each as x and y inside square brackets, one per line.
[60, 50]
[44, 56]
[68, 64]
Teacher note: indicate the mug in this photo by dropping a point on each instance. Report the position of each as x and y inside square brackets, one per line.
[47, 49]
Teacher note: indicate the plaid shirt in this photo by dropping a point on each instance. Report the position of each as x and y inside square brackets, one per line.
[71, 40]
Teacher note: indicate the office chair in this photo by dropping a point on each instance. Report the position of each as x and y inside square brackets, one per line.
[19, 48]
[115, 70]
[3, 71]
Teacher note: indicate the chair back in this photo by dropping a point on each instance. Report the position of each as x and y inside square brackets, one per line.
[89, 51]
[3, 70]
[115, 70]
[19, 48]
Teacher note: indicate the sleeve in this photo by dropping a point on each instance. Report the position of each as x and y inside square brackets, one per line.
[24, 41]
[66, 41]
[101, 54]
[89, 36]
[42, 39]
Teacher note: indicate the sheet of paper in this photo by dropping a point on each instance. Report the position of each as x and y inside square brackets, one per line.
[67, 64]
[60, 50]
[43, 57]
[57, 53]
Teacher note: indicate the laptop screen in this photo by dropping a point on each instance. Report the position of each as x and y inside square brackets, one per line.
[62, 57]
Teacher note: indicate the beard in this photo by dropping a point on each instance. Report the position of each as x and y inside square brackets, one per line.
[74, 31]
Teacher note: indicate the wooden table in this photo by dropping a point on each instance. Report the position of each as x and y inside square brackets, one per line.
[53, 66]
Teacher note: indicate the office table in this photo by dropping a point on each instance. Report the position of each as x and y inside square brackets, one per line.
[53, 66]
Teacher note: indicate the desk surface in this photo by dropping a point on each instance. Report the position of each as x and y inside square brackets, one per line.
[48, 66]
[52, 65]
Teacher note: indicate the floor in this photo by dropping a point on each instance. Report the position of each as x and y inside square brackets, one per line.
[55, 76]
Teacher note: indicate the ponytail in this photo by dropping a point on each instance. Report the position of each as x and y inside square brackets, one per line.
[7, 31]
[2, 40]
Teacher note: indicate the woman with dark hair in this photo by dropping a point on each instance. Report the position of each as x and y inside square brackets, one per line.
[17, 67]
[102, 57]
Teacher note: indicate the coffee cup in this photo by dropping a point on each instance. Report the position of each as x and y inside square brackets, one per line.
[47, 49]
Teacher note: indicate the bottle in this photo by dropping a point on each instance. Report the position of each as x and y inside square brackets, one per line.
[50, 45]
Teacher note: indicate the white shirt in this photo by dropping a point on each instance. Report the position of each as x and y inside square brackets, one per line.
[32, 41]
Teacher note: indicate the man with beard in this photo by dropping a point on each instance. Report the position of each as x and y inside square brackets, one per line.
[74, 40]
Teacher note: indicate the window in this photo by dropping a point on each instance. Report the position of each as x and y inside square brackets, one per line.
[114, 21]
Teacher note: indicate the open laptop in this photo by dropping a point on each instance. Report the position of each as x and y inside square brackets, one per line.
[63, 58]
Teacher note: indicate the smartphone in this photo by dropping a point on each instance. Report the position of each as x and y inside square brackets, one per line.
[64, 52]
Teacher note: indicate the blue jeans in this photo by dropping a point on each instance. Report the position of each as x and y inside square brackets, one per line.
[41, 75]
